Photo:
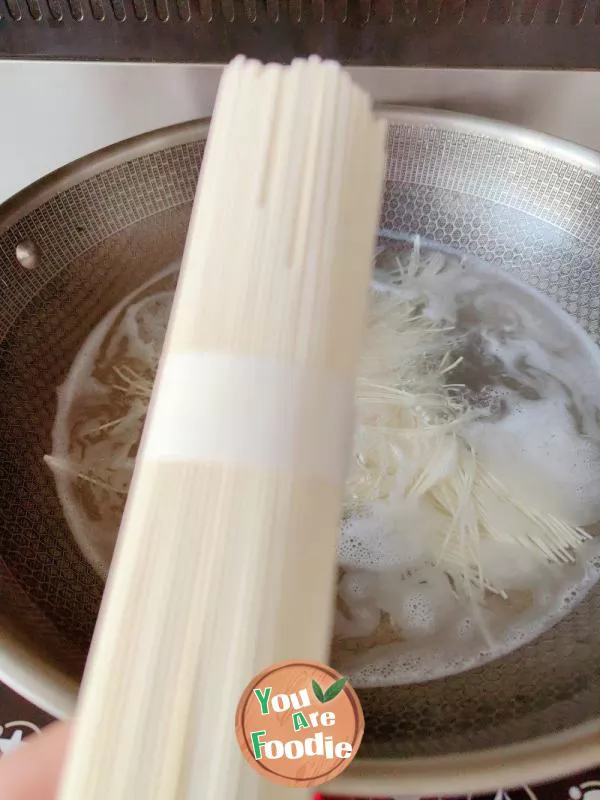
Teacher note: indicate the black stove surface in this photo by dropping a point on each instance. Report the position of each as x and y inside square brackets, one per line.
[19, 719]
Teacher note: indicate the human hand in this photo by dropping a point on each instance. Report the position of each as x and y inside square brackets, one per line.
[33, 771]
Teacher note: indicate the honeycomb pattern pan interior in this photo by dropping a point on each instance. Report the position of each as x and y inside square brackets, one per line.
[521, 202]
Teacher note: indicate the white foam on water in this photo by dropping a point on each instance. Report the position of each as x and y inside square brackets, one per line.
[535, 375]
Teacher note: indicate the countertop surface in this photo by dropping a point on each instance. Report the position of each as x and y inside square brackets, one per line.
[53, 113]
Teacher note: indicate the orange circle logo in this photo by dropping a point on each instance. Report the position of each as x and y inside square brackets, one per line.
[299, 723]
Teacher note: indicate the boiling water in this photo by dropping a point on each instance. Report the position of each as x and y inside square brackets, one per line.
[531, 377]
[100, 414]
[532, 380]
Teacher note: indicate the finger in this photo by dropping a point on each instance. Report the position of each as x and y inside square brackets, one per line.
[33, 771]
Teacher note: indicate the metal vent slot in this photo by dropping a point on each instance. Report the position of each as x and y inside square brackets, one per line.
[340, 10]
[14, 10]
[140, 11]
[406, 11]
[295, 10]
[184, 12]
[97, 9]
[35, 12]
[118, 10]
[227, 10]
[499, 12]
[55, 10]
[76, 9]
[273, 10]
[162, 10]
[318, 11]
[577, 11]
[528, 11]
[206, 10]
[250, 10]
[452, 12]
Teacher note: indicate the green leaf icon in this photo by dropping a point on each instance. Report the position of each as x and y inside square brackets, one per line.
[331, 693]
[318, 692]
[335, 689]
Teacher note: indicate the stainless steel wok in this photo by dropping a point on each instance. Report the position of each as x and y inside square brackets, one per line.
[73, 244]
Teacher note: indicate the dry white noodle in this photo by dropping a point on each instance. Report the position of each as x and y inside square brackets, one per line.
[171, 629]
